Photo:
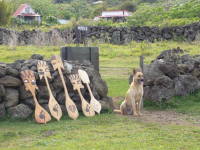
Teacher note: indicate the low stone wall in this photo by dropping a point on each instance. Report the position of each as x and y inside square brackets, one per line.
[103, 34]
[172, 73]
[18, 103]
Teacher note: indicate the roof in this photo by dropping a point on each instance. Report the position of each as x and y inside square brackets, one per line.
[115, 10]
[33, 15]
[98, 2]
[19, 11]
[115, 13]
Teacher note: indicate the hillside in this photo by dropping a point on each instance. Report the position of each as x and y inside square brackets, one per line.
[145, 12]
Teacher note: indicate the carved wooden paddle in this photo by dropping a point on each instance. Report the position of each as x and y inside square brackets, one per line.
[77, 85]
[41, 115]
[70, 105]
[54, 107]
[93, 102]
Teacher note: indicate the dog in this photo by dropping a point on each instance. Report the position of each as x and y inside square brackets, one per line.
[133, 100]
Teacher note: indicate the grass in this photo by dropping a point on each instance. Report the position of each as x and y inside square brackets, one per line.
[106, 131]
[110, 55]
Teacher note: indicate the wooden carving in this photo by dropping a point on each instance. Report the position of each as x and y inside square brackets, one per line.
[93, 102]
[70, 105]
[54, 107]
[77, 85]
[41, 115]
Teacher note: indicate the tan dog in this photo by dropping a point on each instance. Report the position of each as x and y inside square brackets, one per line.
[133, 100]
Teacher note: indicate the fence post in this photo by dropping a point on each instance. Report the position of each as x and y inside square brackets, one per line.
[142, 68]
[142, 62]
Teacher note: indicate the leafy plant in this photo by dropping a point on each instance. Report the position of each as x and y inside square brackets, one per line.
[128, 5]
[51, 20]
[5, 12]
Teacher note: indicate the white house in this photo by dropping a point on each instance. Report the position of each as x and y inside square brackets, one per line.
[115, 15]
[26, 13]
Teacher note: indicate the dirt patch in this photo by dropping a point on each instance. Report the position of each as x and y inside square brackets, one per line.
[168, 117]
[48, 133]
[162, 116]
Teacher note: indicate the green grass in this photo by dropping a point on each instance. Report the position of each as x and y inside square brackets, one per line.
[117, 87]
[110, 55]
[10, 54]
[187, 105]
[106, 131]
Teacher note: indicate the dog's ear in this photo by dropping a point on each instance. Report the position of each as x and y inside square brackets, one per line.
[134, 71]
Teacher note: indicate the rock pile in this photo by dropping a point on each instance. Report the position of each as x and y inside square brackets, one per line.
[16, 102]
[172, 73]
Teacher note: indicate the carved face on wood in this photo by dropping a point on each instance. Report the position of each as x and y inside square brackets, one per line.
[28, 78]
[76, 81]
[57, 62]
[43, 69]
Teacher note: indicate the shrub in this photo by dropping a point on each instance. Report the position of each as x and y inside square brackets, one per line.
[5, 12]
[51, 20]
[130, 6]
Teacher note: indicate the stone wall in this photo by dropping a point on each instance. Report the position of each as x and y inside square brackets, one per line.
[103, 34]
[18, 103]
[172, 73]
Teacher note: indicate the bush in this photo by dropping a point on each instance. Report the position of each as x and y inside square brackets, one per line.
[5, 12]
[130, 6]
[51, 20]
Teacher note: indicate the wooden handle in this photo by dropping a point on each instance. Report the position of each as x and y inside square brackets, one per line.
[90, 91]
[69, 104]
[54, 107]
[93, 102]
[63, 82]
[86, 107]
[41, 115]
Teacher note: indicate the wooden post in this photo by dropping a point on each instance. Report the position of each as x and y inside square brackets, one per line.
[142, 67]
[142, 62]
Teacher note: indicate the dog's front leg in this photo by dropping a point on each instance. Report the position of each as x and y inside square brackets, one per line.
[134, 108]
[139, 107]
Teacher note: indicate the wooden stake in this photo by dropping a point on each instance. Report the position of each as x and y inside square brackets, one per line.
[54, 107]
[93, 102]
[41, 115]
[77, 85]
[70, 105]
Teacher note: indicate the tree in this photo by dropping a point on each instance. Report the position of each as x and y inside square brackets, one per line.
[80, 9]
[128, 5]
[98, 9]
[5, 12]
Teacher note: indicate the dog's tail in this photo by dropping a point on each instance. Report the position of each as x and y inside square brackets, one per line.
[117, 111]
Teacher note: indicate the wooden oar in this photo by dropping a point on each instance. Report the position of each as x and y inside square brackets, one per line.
[41, 115]
[77, 85]
[54, 107]
[70, 105]
[93, 102]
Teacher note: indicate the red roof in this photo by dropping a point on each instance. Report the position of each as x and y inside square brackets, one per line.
[18, 12]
